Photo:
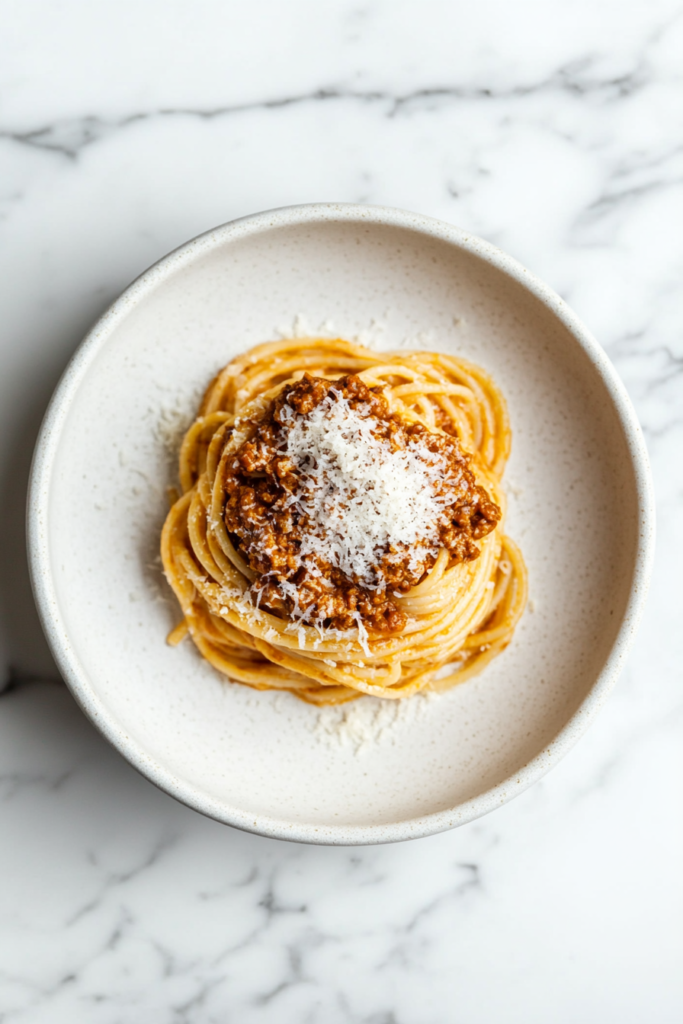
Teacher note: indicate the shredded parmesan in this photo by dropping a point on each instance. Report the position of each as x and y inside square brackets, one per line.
[360, 497]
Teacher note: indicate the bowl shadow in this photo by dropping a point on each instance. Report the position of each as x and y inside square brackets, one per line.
[26, 652]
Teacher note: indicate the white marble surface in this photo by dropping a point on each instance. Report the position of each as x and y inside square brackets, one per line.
[552, 129]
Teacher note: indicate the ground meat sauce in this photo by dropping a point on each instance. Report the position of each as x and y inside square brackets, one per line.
[267, 527]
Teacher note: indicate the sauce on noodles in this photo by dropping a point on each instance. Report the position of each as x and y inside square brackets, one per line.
[329, 529]
[339, 530]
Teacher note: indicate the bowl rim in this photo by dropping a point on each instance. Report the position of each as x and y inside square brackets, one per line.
[39, 551]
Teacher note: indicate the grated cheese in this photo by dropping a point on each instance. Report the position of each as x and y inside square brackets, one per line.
[361, 498]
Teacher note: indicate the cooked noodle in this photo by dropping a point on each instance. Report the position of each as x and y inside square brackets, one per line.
[459, 616]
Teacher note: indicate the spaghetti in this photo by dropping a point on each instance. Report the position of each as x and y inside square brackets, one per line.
[340, 527]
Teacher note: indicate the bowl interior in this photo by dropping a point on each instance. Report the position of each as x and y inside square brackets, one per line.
[248, 757]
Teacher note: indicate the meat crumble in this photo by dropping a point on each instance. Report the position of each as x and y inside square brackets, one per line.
[267, 524]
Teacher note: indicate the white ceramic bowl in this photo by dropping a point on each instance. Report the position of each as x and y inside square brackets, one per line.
[580, 506]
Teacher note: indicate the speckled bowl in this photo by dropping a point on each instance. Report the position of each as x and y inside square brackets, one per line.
[580, 506]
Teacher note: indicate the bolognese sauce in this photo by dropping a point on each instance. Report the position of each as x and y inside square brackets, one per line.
[289, 505]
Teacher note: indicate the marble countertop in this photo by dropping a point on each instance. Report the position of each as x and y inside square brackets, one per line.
[554, 130]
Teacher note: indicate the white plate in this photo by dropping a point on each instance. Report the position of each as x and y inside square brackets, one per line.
[580, 506]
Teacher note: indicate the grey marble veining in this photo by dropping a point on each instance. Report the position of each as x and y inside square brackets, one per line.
[555, 131]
